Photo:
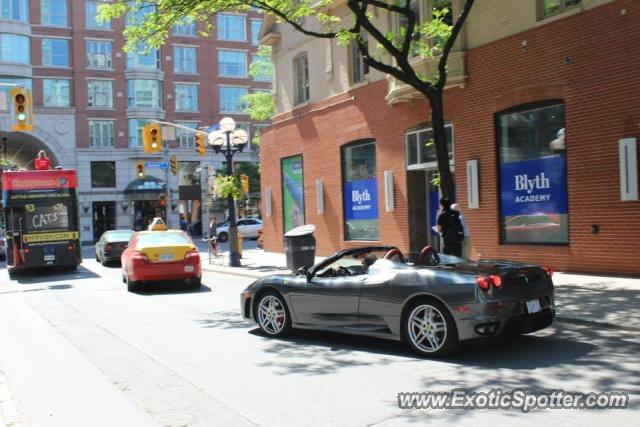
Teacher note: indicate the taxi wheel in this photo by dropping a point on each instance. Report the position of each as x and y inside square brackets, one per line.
[195, 282]
[131, 285]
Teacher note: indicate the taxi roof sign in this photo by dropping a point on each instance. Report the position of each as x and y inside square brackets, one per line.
[157, 225]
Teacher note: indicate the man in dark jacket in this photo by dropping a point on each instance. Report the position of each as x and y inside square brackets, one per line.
[450, 228]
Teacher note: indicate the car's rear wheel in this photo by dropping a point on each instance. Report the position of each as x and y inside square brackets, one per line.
[132, 286]
[272, 314]
[195, 282]
[223, 237]
[429, 329]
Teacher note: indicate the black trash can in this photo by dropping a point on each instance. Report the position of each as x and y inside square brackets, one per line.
[300, 247]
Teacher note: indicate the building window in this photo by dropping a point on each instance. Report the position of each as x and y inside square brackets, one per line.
[360, 191]
[231, 99]
[184, 27]
[103, 174]
[292, 192]
[185, 138]
[14, 48]
[91, 12]
[232, 63]
[186, 96]
[101, 133]
[100, 93]
[144, 93]
[549, 8]
[99, 54]
[14, 10]
[302, 79]
[135, 132]
[55, 52]
[139, 16]
[421, 152]
[143, 60]
[261, 68]
[56, 93]
[256, 25]
[358, 67]
[189, 173]
[231, 27]
[53, 12]
[185, 59]
[533, 175]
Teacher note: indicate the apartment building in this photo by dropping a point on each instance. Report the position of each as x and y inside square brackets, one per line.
[91, 100]
[542, 112]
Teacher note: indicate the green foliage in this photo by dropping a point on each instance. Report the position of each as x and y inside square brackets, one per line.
[228, 185]
[260, 105]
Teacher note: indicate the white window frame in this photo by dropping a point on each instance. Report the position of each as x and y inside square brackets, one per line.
[134, 96]
[185, 138]
[255, 38]
[221, 72]
[180, 61]
[220, 27]
[220, 87]
[93, 138]
[23, 11]
[103, 26]
[47, 61]
[52, 10]
[300, 86]
[107, 59]
[177, 96]
[426, 165]
[96, 83]
[45, 96]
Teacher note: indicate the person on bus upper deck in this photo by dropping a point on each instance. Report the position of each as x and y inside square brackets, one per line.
[42, 162]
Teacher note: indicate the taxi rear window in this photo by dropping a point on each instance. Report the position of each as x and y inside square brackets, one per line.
[162, 238]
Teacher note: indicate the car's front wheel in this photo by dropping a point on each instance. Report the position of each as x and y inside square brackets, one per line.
[223, 237]
[272, 314]
[429, 329]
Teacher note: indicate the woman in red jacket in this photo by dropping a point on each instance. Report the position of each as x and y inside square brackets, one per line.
[42, 162]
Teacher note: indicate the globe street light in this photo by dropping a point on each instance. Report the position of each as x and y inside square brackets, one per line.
[228, 141]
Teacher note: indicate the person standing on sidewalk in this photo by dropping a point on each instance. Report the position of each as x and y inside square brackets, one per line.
[466, 243]
[450, 228]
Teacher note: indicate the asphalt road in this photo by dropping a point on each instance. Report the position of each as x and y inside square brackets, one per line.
[78, 350]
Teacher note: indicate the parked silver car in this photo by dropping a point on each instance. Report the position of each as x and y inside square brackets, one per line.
[248, 228]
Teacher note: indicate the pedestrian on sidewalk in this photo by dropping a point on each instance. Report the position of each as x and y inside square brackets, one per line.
[466, 243]
[450, 228]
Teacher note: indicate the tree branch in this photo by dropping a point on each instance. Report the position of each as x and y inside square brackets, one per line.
[284, 16]
[442, 65]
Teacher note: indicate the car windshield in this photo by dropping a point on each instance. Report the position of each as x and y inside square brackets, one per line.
[119, 236]
[450, 259]
[161, 238]
[356, 263]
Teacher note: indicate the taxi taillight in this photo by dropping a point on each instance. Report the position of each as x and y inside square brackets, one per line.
[192, 254]
[140, 256]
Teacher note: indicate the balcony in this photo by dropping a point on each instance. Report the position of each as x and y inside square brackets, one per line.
[457, 76]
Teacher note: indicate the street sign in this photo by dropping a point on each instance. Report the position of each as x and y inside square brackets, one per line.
[156, 165]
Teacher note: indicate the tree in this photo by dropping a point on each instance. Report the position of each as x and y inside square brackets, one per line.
[433, 38]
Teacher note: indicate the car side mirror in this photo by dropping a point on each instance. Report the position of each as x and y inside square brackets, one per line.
[304, 271]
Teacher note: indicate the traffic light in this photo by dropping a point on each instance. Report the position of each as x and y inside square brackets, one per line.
[140, 170]
[22, 108]
[201, 143]
[152, 138]
[163, 200]
[174, 165]
[244, 179]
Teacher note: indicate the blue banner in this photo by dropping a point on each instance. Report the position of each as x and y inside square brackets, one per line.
[534, 186]
[361, 199]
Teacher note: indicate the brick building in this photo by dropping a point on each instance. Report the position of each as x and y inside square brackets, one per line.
[91, 100]
[542, 108]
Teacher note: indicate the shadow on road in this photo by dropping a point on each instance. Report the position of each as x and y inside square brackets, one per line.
[53, 274]
[150, 289]
[225, 319]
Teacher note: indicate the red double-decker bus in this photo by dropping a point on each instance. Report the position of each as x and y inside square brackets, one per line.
[41, 219]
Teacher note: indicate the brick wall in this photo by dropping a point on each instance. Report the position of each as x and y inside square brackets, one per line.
[590, 60]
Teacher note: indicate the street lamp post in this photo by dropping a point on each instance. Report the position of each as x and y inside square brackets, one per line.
[229, 141]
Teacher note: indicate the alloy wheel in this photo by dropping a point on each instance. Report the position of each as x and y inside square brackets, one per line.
[427, 328]
[272, 316]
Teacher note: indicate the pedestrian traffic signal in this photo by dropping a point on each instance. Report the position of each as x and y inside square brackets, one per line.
[22, 108]
[152, 138]
[244, 179]
[141, 173]
[174, 165]
[201, 143]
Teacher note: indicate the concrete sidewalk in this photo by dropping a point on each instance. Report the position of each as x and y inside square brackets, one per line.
[606, 301]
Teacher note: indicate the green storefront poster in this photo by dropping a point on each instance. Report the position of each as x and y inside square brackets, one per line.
[292, 192]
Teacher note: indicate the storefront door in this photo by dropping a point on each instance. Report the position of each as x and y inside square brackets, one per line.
[104, 218]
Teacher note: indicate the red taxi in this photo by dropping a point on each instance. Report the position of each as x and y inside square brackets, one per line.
[160, 255]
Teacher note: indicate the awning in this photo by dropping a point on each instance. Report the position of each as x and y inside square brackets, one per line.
[148, 184]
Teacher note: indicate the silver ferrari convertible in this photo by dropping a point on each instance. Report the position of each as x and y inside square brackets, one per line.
[433, 304]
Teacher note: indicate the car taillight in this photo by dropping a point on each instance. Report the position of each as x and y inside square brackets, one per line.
[192, 254]
[483, 283]
[70, 247]
[140, 255]
[27, 250]
[548, 270]
[496, 280]
[108, 247]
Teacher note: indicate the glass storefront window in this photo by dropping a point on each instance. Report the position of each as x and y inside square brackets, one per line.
[360, 191]
[533, 175]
